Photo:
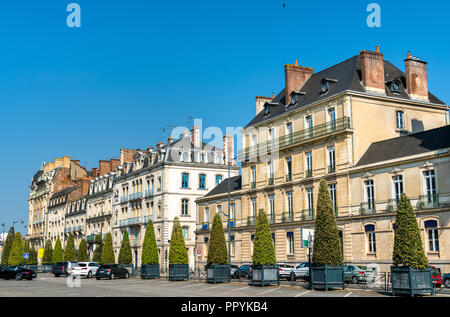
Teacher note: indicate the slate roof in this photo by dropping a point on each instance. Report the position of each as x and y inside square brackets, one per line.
[348, 76]
[412, 144]
[173, 150]
[63, 192]
[235, 184]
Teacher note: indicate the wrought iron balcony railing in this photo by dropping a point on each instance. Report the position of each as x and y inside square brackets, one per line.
[331, 169]
[430, 201]
[287, 216]
[308, 214]
[289, 178]
[271, 181]
[308, 173]
[251, 221]
[367, 208]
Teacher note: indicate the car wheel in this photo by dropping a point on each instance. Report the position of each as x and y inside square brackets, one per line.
[56, 275]
[447, 282]
[89, 274]
[355, 280]
[111, 277]
[29, 278]
[18, 276]
[292, 277]
[127, 275]
[97, 278]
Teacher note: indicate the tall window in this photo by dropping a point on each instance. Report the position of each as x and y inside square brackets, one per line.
[253, 175]
[370, 194]
[400, 119]
[233, 211]
[398, 186]
[207, 214]
[272, 207]
[309, 125]
[219, 210]
[219, 179]
[308, 164]
[271, 170]
[289, 202]
[430, 183]
[202, 181]
[185, 180]
[290, 131]
[331, 160]
[185, 157]
[289, 168]
[370, 232]
[203, 158]
[186, 233]
[184, 207]
[232, 246]
[433, 236]
[309, 197]
[254, 207]
[290, 241]
[332, 189]
[332, 118]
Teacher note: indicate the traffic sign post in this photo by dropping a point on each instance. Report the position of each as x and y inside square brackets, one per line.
[26, 256]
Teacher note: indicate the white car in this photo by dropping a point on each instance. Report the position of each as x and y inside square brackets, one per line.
[87, 269]
[301, 271]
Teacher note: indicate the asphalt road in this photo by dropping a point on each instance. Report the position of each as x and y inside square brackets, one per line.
[45, 285]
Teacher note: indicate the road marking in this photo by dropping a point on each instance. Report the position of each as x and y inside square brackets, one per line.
[348, 294]
[213, 287]
[190, 285]
[298, 295]
[239, 289]
[270, 290]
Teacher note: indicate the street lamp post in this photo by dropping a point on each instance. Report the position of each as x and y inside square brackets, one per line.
[3, 235]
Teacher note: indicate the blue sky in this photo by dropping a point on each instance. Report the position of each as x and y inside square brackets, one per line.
[135, 66]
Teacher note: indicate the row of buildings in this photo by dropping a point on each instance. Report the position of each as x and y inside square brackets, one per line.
[371, 130]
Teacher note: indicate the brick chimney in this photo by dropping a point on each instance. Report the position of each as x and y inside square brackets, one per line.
[115, 161]
[159, 145]
[126, 155]
[372, 71]
[260, 101]
[295, 77]
[195, 136]
[228, 148]
[104, 167]
[416, 78]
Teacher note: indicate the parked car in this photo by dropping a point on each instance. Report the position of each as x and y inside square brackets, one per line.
[300, 272]
[63, 268]
[111, 271]
[233, 270]
[446, 280]
[357, 274]
[87, 269]
[17, 272]
[436, 275]
[243, 271]
[285, 270]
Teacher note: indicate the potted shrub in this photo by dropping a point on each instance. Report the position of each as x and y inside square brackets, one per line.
[98, 249]
[217, 266]
[47, 258]
[410, 271]
[7, 246]
[264, 269]
[108, 251]
[82, 255]
[16, 253]
[178, 258]
[327, 269]
[57, 255]
[150, 259]
[69, 251]
[125, 256]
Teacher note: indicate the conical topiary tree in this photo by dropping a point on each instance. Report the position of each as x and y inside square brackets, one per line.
[47, 257]
[57, 255]
[177, 251]
[125, 256]
[149, 247]
[108, 251]
[33, 260]
[408, 248]
[7, 246]
[98, 251]
[16, 254]
[327, 246]
[69, 251]
[82, 255]
[217, 249]
[263, 248]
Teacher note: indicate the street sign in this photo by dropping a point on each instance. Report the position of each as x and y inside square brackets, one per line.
[307, 237]
[26, 256]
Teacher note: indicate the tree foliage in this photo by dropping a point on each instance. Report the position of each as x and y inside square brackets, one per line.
[7, 246]
[177, 252]
[33, 260]
[149, 247]
[69, 251]
[57, 252]
[263, 248]
[98, 249]
[16, 254]
[47, 258]
[327, 245]
[108, 251]
[217, 249]
[82, 255]
[408, 248]
[125, 256]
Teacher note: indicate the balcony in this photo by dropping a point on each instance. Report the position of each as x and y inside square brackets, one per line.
[270, 181]
[331, 169]
[289, 178]
[251, 221]
[271, 218]
[367, 208]
[146, 219]
[308, 173]
[308, 214]
[428, 202]
[287, 216]
[124, 199]
[295, 138]
[253, 184]
[148, 193]
[135, 196]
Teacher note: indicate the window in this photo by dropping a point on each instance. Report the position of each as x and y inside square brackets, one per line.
[332, 114]
[398, 187]
[331, 160]
[370, 232]
[219, 210]
[233, 211]
[309, 197]
[324, 86]
[290, 241]
[254, 207]
[271, 170]
[185, 180]
[395, 87]
[253, 176]
[433, 235]
[202, 181]
[232, 246]
[400, 120]
[332, 189]
[219, 179]
[272, 207]
[309, 125]
[202, 158]
[308, 164]
[266, 109]
[186, 233]
[207, 214]
[289, 132]
[289, 202]
[184, 207]
[159, 183]
[218, 159]
[370, 194]
[288, 169]
[251, 245]
[185, 157]
[430, 186]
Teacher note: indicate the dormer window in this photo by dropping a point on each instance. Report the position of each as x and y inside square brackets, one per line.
[396, 87]
[296, 96]
[266, 109]
[325, 85]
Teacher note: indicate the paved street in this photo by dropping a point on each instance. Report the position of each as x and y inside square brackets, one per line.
[48, 286]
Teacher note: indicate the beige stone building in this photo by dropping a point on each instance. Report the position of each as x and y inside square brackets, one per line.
[323, 125]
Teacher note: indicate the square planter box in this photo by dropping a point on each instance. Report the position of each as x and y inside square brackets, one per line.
[218, 273]
[327, 276]
[178, 272]
[264, 275]
[409, 281]
[150, 271]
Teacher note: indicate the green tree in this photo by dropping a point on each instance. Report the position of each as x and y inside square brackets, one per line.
[177, 252]
[408, 248]
[217, 249]
[47, 257]
[7, 246]
[98, 251]
[57, 255]
[263, 248]
[16, 254]
[69, 251]
[33, 260]
[125, 256]
[108, 251]
[82, 255]
[327, 245]
[149, 247]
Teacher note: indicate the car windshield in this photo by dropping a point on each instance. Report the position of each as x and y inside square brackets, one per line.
[105, 266]
[82, 264]
[363, 268]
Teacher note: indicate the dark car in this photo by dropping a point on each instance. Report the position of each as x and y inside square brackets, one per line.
[243, 271]
[17, 272]
[111, 271]
[233, 269]
[436, 275]
[446, 280]
[63, 268]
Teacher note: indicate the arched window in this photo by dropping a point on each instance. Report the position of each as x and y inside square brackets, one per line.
[185, 180]
[370, 233]
[185, 157]
[433, 235]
